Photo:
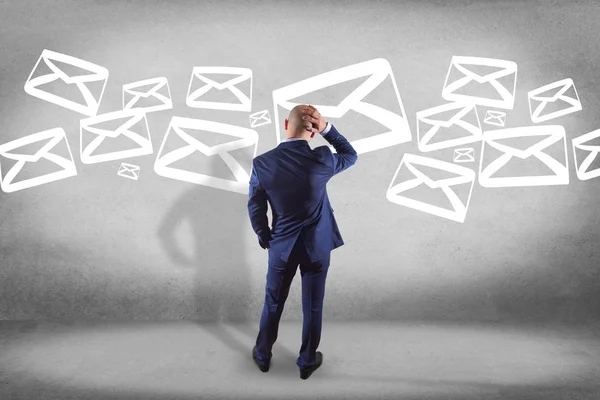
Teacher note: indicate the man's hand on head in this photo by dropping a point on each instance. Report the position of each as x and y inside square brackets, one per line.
[312, 115]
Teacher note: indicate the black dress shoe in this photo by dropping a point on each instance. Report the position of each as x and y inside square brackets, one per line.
[306, 372]
[261, 366]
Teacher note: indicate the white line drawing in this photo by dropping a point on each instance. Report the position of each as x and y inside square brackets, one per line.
[540, 97]
[412, 162]
[583, 172]
[240, 75]
[11, 150]
[95, 73]
[141, 136]
[260, 118]
[437, 127]
[464, 155]
[132, 94]
[377, 70]
[129, 171]
[242, 138]
[552, 134]
[496, 118]
[464, 65]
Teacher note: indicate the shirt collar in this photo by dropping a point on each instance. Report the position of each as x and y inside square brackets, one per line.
[292, 139]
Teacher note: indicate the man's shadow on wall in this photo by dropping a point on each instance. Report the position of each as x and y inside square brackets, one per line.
[222, 287]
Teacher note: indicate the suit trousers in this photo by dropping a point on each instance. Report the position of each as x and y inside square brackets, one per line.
[279, 278]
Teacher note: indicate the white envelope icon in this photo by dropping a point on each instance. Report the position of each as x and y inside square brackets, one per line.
[553, 93]
[129, 171]
[473, 82]
[583, 172]
[496, 118]
[377, 70]
[396, 193]
[239, 75]
[133, 126]
[243, 138]
[91, 73]
[260, 118]
[13, 150]
[465, 120]
[548, 135]
[156, 89]
[464, 155]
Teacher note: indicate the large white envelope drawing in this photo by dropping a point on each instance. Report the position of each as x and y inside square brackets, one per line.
[239, 75]
[12, 150]
[398, 130]
[548, 135]
[581, 143]
[396, 192]
[95, 73]
[438, 126]
[130, 129]
[129, 171]
[540, 98]
[464, 155]
[260, 118]
[241, 138]
[496, 118]
[504, 96]
[148, 88]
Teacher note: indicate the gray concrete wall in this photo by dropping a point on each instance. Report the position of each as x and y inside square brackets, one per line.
[100, 246]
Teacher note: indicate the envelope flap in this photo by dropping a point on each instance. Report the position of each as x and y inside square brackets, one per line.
[525, 141]
[554, 91]
[463, 152]
[483, 69]
[129, 167]
[113, 124]
[496, 114]
[210, 137]
[437, 176]
[144, 88]
[445, 115]
[72, 69]
[222, 77]
[31, 148]
[345, 87]
[28, 151]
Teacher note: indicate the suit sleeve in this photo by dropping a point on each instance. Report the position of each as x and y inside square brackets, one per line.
[257, 209]
[345, 155]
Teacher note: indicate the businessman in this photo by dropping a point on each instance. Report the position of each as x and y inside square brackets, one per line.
[292, 179]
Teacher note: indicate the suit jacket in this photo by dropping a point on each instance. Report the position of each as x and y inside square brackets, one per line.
[292, 179]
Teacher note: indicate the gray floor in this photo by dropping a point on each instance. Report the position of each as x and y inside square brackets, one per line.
[363, 360]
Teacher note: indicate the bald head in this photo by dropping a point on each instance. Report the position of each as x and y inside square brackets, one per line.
[295, 125]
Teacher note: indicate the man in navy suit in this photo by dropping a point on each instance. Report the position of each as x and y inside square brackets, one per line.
[292, 179]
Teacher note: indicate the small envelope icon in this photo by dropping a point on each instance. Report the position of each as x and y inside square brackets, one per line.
[582, 143]
[419, 167]
[548, 135]
[14, 151]
[243, 100]
[129, 171]
[464, 120]
[562, 93]
[464, 155]
[155, 90]
[494, 89]
[85, 73]
[377, 71]
[132, 127]
[260, 118]
[179, 129]
[497, 118]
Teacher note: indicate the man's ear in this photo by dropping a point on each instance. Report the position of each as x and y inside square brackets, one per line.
[285, 124]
